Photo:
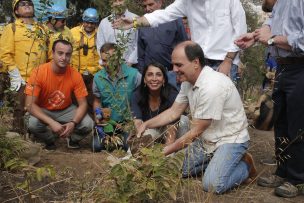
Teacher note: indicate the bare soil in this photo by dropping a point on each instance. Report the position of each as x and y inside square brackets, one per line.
[79, 171]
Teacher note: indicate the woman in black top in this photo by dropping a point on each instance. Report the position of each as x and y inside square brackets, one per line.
[153, 96]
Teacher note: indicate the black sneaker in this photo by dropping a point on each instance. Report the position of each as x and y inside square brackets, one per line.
[72, 145]
[51, 146]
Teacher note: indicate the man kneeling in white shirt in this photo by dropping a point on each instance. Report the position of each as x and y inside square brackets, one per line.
[218, 138]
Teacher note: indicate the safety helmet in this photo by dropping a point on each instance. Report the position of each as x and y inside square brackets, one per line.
[57, 12]
[90, 15]
[15, 2]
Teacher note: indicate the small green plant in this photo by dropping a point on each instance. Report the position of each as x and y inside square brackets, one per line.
[150, 177]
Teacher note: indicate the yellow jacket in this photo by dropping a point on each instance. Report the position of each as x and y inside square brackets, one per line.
[23, 46]
[3, 69]
[79, 61]
[53, 36]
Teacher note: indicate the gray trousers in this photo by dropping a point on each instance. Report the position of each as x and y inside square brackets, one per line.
[41, 130]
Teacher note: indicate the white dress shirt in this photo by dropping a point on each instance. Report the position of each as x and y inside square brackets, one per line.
[106, 34]
[214, 24]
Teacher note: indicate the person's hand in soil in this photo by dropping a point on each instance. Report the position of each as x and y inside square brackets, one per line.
[141, 130]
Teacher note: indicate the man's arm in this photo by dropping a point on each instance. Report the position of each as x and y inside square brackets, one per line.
[172, 12]
[36, 111]
[225, 66]
[166, 117]
[81, 110]
[197, 128]
[78, 116]
[238, 21]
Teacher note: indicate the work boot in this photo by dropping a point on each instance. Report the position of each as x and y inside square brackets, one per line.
[270, 181]
[287, 190]
[252, 169]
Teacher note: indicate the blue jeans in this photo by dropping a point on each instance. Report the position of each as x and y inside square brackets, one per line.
[97, 145]
[223, 170]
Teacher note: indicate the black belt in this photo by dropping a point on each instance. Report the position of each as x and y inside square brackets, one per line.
[290, 60]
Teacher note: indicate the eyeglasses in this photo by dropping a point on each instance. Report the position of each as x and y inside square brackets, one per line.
[25, 3]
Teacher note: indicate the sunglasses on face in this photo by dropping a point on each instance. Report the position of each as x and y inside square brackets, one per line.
[25, 3]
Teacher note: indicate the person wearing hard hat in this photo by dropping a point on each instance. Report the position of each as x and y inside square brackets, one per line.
[56, 24]
[85, 55]
[23, 45]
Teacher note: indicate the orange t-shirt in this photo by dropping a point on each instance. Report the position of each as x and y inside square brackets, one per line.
[53, 91]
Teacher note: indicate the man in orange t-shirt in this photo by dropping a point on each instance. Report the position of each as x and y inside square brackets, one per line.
[48, 100]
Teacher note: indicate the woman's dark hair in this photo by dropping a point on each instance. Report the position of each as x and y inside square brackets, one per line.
[164, 92]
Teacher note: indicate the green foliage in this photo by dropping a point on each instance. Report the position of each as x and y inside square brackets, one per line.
[253, 60]
[151, 177]
[6, 10]
[9, 151]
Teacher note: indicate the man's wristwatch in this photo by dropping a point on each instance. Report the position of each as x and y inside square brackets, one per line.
[270, 42]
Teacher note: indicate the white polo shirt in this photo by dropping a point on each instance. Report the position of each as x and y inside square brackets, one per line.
[215, 97]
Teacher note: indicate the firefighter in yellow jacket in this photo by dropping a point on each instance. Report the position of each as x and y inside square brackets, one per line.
[57, 28]
[23, 47]
[85, 56]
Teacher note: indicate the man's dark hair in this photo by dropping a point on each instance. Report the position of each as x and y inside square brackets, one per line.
[63, 41]
[107, 47]
[194, 51]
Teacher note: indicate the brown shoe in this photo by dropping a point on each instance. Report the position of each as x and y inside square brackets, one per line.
[252, 169]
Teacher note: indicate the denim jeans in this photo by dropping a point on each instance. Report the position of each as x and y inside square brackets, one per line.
[223, 170]
[41, 130]
[98, 145]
